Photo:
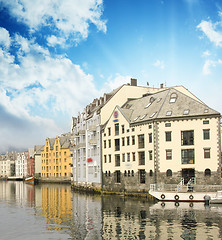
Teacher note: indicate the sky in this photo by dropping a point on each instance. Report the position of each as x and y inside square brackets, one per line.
[56, 56]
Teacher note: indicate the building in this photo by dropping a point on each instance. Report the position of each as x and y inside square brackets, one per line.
[162, 137]
[21, 164]
[86, 132]
[56, 158]
[7, 164]
[30, 163]
[37, 157]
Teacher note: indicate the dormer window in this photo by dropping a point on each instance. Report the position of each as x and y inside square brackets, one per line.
[186, 112]
[173, 98]
[153, 114]
[136, 118]
[168, 113]
[206, 110]
[143, 117]
[159, 99]
[148, 105]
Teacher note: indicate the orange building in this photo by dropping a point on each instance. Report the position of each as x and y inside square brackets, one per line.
[56, 158]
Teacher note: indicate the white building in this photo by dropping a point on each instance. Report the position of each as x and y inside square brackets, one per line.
[86, 131]
[7, 164]
[21, 164]
[161, 138]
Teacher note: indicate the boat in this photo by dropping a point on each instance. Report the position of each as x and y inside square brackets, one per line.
[30, 180]
[179, 195]
[217, 199]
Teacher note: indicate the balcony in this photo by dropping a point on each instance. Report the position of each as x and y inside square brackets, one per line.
[92, 141]
[82, 132]
[80, 145]
[92, 128]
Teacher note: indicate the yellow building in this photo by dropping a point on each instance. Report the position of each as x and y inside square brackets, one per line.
[56, 158]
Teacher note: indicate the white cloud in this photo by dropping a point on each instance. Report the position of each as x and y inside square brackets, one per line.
[206, 53]
[115, 82]
[160, 64]
[209, 64]
[38, 89]
[4, 37]
[211, 31]
[68, 19]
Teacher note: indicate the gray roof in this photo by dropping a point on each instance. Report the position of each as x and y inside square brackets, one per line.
[161, 105]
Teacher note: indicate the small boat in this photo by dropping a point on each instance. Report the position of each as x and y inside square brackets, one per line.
[217, 199]
[30, 180]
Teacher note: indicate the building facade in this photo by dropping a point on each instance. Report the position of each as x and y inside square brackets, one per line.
[162, 137]
[86, 132]
[56, 158]
[7, 164]
[21, 164]
[37, 159]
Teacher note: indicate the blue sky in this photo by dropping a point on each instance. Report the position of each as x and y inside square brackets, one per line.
[56, 56]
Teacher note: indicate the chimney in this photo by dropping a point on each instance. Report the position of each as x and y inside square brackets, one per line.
[161, 85]
[133, 82]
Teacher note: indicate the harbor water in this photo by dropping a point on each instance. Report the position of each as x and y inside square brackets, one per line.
[53, 211]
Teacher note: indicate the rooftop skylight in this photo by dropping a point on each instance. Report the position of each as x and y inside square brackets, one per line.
[152, 115]
[143, 117]
[168, 113]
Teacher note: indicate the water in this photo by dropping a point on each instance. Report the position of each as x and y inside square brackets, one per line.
[53, 211]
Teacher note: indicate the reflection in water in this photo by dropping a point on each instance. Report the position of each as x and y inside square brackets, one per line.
[53, 211]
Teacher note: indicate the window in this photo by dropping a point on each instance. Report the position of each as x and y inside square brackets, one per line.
[132, 173]
[167, 124]
[143, 117]
[104, 158]
[142, 176]
[141, 141]
[123, 130]
[187, 138]
[150, 137]
[151, 173]
[117, 146]
[206, 134]
[186, 112]
[117, 129]
[152, 115]
[134, 156]
[207, 172]
[117, 160]
[207, 153]
[109, 131]
[125, 173]
[109, 143]
[104, 143]
[168, 136]
[56, 148]
[148, 105]
[173, 98]
[133, 129]
[205, 121]
[118, 175]
[109, 158]
[133, 140]
[123, 157]
[151, 155]
[128, 141]
[141, 158]
[168, 113]
[187, 156]
[128, 157]
[123, 141]
[47, 149]
[168, 154]
[169, 173]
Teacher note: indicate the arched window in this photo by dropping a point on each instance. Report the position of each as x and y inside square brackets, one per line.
[125, 173]
[169, 173]
[106, 173]
[109, 173]
[173, 98]
[207, 172]
[128, 173]
[132, 173]
[151, 173]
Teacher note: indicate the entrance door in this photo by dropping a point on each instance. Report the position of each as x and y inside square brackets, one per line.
[187, 174]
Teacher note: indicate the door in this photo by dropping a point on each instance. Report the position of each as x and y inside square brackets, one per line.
[187, 174]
